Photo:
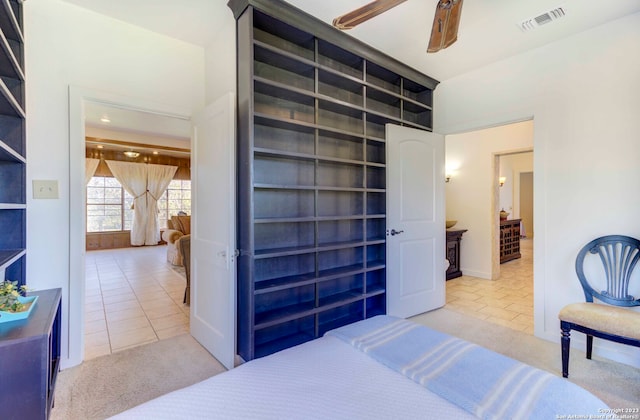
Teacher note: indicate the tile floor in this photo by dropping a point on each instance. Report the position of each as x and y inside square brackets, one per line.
[507, 301]
[133, 297]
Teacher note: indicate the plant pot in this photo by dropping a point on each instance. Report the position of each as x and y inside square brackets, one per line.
[29, 301]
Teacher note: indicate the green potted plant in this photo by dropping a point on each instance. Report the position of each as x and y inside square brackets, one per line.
[12, 304]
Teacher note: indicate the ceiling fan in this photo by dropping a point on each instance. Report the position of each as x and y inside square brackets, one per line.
[444, 31]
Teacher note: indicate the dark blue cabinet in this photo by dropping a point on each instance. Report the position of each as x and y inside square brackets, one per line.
[30, 360]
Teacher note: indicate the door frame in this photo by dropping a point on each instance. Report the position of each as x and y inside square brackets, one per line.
[72, 346]
[495, 208]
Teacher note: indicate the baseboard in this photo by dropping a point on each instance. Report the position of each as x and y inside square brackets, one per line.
[479, 274]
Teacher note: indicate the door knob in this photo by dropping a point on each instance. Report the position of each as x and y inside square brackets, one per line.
[396, 232]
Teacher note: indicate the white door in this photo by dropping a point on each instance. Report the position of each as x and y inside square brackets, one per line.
[213, 273]
[415, 221]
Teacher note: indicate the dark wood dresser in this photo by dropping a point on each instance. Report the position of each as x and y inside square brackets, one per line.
[452, 252]
[509, 240]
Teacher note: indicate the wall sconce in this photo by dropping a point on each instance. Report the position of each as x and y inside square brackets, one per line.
[131, 154]
[450, 169]
[502, 180]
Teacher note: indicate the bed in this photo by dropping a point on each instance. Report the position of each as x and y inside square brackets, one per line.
[383, 368]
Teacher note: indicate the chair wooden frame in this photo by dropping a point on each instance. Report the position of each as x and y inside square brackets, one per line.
[185, 248]
[619, 255]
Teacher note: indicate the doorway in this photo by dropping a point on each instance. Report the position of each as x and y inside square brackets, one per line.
[133, 295]
[474, 199]
[79, 99]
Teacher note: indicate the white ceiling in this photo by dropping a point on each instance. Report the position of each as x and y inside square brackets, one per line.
[134, 121]
[488, 31]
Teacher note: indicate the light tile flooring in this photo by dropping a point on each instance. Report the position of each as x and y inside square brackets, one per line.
[507, 301]
[133, 297]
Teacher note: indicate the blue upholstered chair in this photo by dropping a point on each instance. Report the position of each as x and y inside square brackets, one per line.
[610, 317]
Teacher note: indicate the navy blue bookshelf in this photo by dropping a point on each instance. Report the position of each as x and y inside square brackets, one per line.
[12, 144]
[312, 107]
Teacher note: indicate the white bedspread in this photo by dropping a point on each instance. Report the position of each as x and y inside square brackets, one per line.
[322, 379]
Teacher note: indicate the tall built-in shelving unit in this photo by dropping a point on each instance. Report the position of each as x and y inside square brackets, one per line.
[12, 144]
[312, 109]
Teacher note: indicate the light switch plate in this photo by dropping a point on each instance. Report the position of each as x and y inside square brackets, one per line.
[45, 188]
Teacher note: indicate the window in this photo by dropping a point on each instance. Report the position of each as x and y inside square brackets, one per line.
[105, 200]
[109, 206]
[177, 198]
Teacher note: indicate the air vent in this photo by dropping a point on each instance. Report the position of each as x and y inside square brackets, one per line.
[542, 19]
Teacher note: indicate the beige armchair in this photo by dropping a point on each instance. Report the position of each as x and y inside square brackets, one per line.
[177, 227]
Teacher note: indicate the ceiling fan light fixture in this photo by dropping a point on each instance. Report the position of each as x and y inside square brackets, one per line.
[444, 31]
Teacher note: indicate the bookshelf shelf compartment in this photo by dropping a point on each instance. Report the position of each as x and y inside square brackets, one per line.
[282, 69]
[275, 236]
[340, 88]
[339, 59]
[282, 136]
[284, 171]
[312, 108]
[282, 36]
[383, 103]
[340, 117]
[283, 204]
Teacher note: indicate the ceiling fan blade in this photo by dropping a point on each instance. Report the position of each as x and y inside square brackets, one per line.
[364, 13]
[445, 25]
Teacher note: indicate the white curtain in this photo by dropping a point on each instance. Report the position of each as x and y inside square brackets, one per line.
[133, 177]
[90, 167]
[158, 179]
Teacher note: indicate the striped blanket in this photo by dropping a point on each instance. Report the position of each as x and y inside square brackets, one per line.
[487, 384]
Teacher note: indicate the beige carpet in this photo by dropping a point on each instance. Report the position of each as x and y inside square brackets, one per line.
[616, 384]
[107, 385]
[110, 384]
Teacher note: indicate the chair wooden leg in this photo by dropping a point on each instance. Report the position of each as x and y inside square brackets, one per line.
[565, 341]
[589, 346]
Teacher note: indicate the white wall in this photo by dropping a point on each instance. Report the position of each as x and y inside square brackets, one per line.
[583, 95]
[220, 61]
[470, 192]
[67, 45]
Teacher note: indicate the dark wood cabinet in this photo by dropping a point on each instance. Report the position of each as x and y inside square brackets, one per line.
[12, 144]
[312, 107]
[509, 240]
[453, 252]
[30, 360]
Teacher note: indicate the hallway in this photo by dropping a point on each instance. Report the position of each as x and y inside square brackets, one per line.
[507, 301]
